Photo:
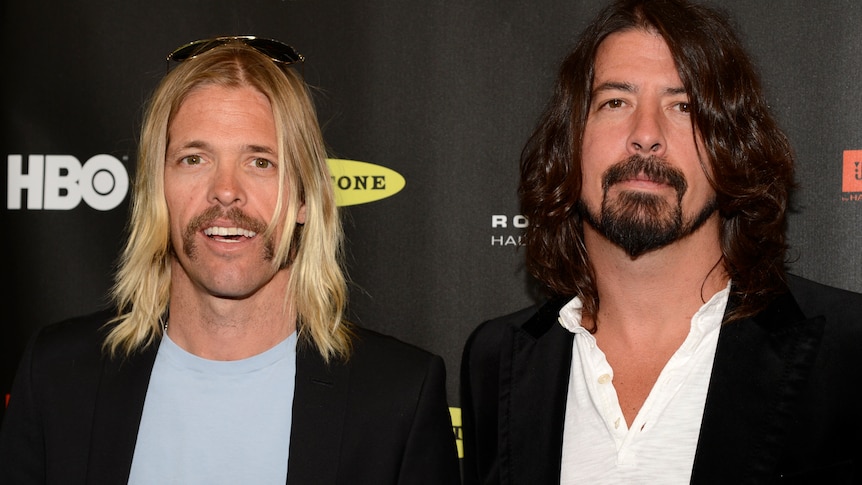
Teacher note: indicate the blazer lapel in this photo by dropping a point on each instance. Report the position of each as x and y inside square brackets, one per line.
[318, 414]
[538, 377]
[119, 406]
[760, 367]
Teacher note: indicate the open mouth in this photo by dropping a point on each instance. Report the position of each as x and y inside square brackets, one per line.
[228, 233]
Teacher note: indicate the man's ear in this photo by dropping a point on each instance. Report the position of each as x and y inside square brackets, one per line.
[300, 215]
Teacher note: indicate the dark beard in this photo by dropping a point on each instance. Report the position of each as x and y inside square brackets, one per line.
[640, 222]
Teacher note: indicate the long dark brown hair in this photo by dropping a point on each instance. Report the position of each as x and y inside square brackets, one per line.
[752, 162]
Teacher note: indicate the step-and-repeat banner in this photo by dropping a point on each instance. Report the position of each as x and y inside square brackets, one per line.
[434, 99]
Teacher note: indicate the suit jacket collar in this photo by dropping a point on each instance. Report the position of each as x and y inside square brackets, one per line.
[119, 405]
[536, 406]
[760, 367]
[319, 407]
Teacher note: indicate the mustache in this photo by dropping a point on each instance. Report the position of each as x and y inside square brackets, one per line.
[234, 214]
[656, 169]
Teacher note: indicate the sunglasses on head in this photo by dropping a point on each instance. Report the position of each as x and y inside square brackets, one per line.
[277, 51]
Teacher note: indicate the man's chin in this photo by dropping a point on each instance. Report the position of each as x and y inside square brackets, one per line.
[639, 240]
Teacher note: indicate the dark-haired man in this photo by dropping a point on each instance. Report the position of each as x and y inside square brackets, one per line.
[674, 347]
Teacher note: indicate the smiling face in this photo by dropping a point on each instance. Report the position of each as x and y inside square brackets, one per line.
[643, 184]
[221, 188]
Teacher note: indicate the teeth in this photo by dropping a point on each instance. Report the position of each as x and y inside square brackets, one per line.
[229, 231]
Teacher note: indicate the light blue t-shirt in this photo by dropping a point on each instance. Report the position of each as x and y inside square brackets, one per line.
[216, 422]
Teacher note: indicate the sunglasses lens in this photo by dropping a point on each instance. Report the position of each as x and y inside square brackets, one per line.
[273, 49]
[190, 50]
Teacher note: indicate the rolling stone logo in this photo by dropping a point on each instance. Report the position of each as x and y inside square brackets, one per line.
[508, 230]
[358, 182]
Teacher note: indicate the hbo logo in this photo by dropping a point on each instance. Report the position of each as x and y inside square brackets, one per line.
[60, 182]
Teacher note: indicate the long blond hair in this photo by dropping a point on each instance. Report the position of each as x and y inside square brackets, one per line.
[317, 287]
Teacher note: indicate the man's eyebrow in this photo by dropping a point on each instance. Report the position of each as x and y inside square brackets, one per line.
[259, 149]
[631, 88]
[252, 148]
[193, 144]
[675, 91]
[615, 86]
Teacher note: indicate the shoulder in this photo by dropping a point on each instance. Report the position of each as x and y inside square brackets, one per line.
[79, 339]
[840, 309]
[492, 344]
[61, 360]
[535, 321]
[817, 299]
[488, 339]
[383, 373]
[366, 341]
[375, 353]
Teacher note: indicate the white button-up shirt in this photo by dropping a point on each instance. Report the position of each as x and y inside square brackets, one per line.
[659, 447]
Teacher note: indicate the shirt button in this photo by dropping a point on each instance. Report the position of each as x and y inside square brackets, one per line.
[604, 379]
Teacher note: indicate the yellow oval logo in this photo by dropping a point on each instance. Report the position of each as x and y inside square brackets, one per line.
[362, 182]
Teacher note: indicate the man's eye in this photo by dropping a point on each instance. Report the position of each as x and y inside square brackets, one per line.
[262, 163]
[191, 160]
[614, 103]
[684, 107]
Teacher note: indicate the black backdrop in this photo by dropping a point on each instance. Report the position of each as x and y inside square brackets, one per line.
[443, 92]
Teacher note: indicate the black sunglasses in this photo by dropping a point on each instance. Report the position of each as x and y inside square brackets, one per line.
[277, 51]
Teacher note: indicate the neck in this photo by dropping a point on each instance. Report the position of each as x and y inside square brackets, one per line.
[657, 292]
[219, 328]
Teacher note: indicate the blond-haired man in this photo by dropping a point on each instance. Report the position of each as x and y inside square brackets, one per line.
[227, 358]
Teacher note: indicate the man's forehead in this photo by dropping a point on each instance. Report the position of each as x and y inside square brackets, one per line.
[631, 54]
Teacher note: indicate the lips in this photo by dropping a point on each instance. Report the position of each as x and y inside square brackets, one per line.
[642, 177]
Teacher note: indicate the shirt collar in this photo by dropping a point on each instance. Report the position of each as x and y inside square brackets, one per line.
[707, 317]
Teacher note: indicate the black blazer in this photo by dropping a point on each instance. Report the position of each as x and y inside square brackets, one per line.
[381, 418]
[782, 406]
